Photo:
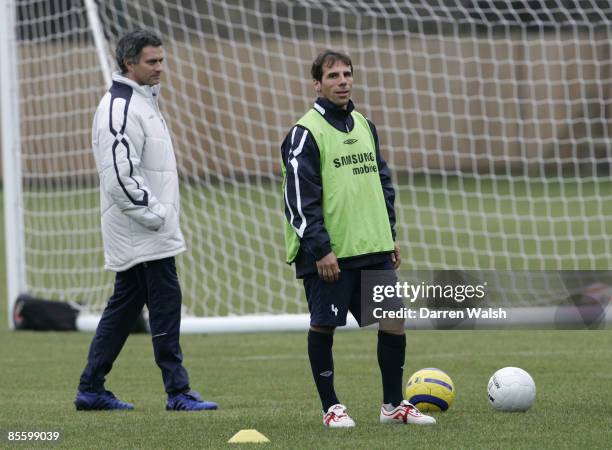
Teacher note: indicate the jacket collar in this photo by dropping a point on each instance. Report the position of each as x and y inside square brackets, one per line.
[147, 91]
[339, 118]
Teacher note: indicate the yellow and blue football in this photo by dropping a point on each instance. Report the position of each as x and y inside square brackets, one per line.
[430, 389]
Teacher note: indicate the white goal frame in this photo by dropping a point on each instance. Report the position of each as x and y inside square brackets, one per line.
[11, 162]
[14, 236]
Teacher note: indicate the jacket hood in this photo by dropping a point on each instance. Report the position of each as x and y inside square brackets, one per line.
[145, 90]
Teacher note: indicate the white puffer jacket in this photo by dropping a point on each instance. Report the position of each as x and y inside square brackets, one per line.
[139, 193]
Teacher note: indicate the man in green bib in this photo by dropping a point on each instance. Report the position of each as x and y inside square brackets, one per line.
[340, 221]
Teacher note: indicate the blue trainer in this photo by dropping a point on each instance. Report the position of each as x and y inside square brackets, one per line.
[189, 401]
[97, 401]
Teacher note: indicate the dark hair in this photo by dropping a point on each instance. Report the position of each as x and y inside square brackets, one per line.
[328, 58]
[131, 44]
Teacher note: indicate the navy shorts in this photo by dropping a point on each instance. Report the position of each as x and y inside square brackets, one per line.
[329, 303]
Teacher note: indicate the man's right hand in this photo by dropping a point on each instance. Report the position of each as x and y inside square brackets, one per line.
[328, 268]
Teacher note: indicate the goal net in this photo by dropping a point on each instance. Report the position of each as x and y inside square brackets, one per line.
[494, 118]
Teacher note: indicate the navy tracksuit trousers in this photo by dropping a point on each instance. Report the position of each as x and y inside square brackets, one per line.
[155, 284]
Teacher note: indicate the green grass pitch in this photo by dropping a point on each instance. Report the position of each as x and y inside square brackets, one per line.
[263, 381]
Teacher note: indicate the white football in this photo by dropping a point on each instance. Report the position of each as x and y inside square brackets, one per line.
[511, 389]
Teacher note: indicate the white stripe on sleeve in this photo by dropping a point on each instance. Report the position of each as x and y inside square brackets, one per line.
[294, 163]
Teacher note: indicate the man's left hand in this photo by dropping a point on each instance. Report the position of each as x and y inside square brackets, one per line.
[395, 257]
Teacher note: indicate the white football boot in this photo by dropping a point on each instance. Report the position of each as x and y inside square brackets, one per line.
[406, 412]
[336, 417]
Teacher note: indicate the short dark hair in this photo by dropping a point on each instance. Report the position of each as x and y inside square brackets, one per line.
[328, 58]
[131, 44]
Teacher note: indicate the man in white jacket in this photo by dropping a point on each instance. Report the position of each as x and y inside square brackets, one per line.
[139, 201]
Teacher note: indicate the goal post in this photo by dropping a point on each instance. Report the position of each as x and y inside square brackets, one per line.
[11, 160]
[93, 19]
[493, 117]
